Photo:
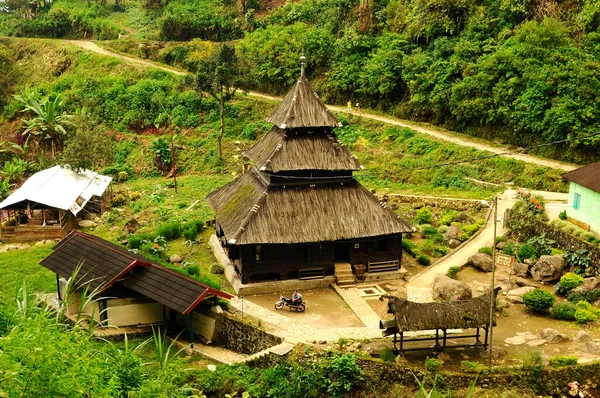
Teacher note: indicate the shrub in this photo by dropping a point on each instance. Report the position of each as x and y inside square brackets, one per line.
[118, 199]
[387, 355]
[500, 239]
[539, 300]
[541, 244]
[432, 364]
[452, 271]
[590, 296]
[510, 249]
[560, 361]
[586, 312]
[526, 251]
[409, 247]
[485, 250]
[470, 229]
[191, 229]
[424, 216]
[585, 316]
[448, 216]
[122, 176]
[428, 230]
[578, 260]
[423, 259]
[170, 231]
[564, 311]
[192, 270]
[134, 241]
[563, 215]
[217, 269]
[568, 282]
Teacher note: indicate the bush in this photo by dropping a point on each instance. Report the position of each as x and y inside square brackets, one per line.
[191, 229]
[485, 250]
[563, 215]
[409, 247]
[423, 259]
[448, 216]
[217, 269]
[510, 249]
[568, 282]
[561, 361]
[585, 316]
[428, 230]
[577, 260]
[170, 231]
[564, 311]
[192, 270]
[432, 364]
[586, 312]
[452, 271]
[526, 251]
[500, 239]
[539, 300]
[424, 216]
[590, 296]
[470, 229]
[387, 355]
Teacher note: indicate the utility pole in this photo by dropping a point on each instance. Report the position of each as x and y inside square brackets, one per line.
[492, 298]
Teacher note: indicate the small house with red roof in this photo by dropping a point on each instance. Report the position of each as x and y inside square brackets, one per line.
[128, 289]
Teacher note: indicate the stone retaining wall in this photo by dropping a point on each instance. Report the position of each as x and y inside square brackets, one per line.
[241, 337]
[566, 241]
[422, 201]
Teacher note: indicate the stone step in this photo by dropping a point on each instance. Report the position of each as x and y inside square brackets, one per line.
[343, 282]
[344, 273]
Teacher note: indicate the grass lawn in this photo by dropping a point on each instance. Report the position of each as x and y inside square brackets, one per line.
[22, 266]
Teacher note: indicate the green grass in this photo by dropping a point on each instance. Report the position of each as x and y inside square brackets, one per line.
[22, 266]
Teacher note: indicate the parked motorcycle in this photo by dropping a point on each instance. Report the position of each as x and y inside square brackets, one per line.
[285, 301]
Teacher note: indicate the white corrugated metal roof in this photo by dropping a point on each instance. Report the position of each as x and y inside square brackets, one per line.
[60, 188]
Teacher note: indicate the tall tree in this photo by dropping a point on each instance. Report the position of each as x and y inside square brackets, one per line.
[221, 75]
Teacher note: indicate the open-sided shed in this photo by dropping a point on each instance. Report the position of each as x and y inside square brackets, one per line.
[47, 204]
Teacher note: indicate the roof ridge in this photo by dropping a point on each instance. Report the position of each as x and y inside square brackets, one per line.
[253, 210]
[275, 151]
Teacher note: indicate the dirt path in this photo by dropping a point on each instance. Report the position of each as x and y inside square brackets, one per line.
[91, 46]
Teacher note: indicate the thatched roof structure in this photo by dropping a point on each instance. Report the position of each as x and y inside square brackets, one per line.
[251, 212]
[302, 108]
[290, 150]
[587, 176]
[411, 316]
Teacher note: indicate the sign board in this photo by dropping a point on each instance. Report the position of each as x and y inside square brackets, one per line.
[504, 260]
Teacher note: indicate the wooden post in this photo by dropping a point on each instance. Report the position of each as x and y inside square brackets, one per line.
[485, 343]
[444, 330]
[437, 343]
[477, 336]
[401, 341]
[58, 287]
[192, 330]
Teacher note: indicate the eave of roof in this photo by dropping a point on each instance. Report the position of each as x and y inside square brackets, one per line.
[587, 176]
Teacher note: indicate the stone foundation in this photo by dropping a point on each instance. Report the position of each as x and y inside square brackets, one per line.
[241, 337]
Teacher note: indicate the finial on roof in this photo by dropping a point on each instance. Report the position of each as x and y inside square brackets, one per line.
[302, 64]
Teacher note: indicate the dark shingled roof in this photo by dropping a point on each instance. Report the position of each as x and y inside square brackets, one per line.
[289, 150]
[252, 213]
[587, 176]
[103, 264]
[301, 107]
[411, 316]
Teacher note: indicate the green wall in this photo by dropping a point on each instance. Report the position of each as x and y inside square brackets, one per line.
[589, 206]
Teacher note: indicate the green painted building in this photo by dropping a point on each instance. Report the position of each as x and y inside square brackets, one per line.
[584, 195]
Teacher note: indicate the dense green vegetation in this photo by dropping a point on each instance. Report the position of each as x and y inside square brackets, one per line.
[518, 72]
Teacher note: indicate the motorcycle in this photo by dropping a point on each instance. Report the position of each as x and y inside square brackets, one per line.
[283, 301]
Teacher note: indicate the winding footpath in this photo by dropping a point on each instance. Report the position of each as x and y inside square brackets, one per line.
[436, 133]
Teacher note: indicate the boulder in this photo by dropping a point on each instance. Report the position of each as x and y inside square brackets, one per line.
[453, 243]
[401, 360]
[582, 337]
[445, 289]
[175, 258]
[87, 224]
[515, 296]
[501, 245]
[548, 268]
[526, 282]
[588, 284]
[501, 304]
[591, 348]
[131, 226]
[521, 269]
[515, 340]
[552, 336]
[497, 353]
[453, 232]
[482, 261]
[464, 218]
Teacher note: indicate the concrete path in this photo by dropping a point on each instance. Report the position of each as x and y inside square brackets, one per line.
[359, 305]
[419, 288]
[452, 137]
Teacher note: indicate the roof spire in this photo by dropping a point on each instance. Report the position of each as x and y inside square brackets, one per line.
[302, 63]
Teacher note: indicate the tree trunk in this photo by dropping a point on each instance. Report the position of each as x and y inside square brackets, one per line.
[222, 133]
[241, 6]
